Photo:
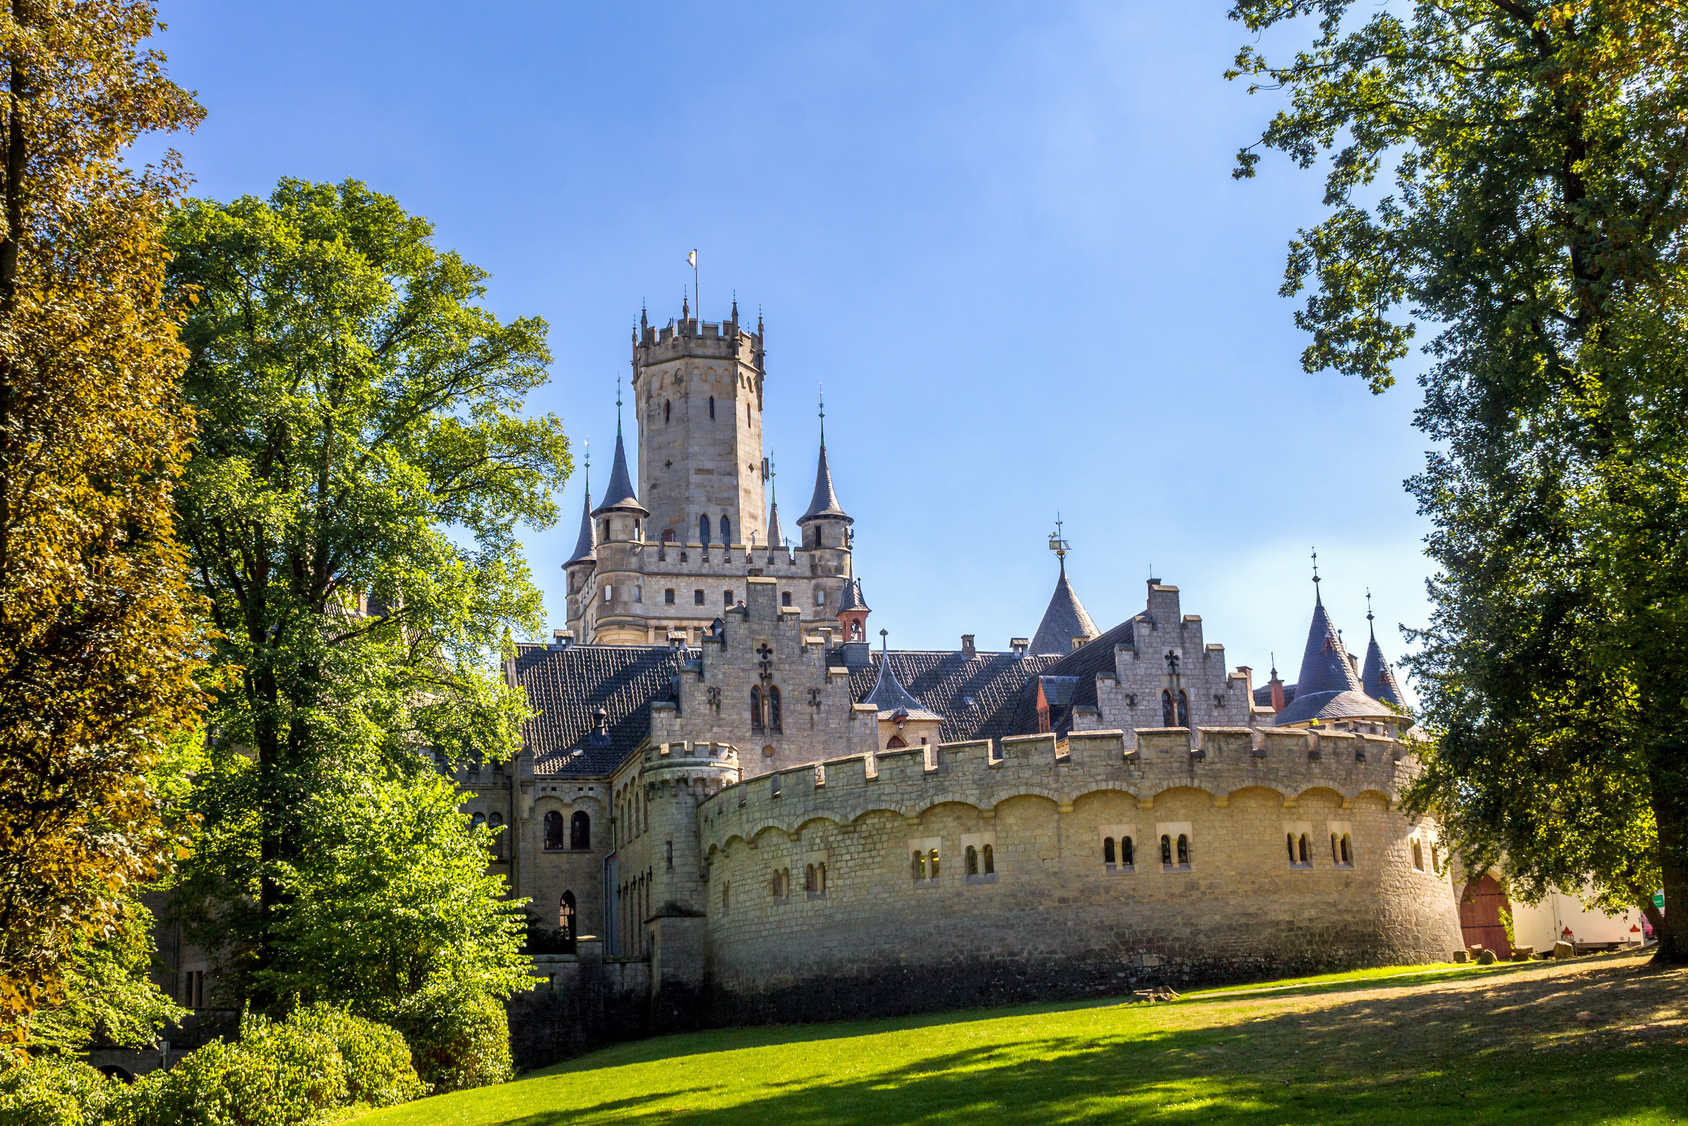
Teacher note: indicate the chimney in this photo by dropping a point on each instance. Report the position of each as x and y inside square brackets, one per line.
[967, 649]
[1019, 645]
[1277, 693]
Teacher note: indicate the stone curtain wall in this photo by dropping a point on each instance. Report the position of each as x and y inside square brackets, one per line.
[1051, 920]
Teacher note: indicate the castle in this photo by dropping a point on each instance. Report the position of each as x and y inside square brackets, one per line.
[737, 807]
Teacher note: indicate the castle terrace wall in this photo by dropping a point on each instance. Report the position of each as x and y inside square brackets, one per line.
[1052, 920]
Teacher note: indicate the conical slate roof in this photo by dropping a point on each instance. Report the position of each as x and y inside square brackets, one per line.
[774, 537]
[1378, 678]
[890, 697]
[620, 497]
[852, 597]
[1328, 686]
[585, 548]
[824, 505]
[1064, 620]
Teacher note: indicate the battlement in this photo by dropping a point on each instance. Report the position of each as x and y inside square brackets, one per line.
[691, 338]
[1218, 761]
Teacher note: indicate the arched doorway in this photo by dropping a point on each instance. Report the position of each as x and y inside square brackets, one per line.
[1480, 907]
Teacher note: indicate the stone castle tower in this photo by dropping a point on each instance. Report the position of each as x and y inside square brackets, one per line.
[648, 573]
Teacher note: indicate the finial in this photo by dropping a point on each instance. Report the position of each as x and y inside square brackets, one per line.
[822, 392]
[1369, 615]
[642, 321]
[618, 406]
[884, 645]
[735, 306]
[1059, 545]
[1316, 597]
[773, 485]
[685, 306]
[1274, 666]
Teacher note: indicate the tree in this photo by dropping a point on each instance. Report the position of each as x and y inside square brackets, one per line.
[1537, 220]
[350, 512]
[96, 647]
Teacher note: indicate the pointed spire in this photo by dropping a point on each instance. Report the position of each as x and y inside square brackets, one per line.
[1317, 601]
[685, 305]
[775, 539]
[1065, 618]
[824, 504]
[643, 323]
[852, 599]
[619, 496]
[888, 694]
[585, 548]
[1377, 676]
[735, 306]
[1325, 666]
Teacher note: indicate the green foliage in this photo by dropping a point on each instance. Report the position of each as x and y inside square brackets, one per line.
[1537, 219]
[361, 467]
[392, 895]
[458, 1038]
[109, 997]
[53, 1091]
[97, 646]
[296, 1072]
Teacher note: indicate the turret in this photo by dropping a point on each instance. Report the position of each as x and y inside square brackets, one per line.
[580, 563]
[1377, 678]
[853, 611]
[826, 523]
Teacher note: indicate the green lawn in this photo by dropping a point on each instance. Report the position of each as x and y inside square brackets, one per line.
[1591, 1041]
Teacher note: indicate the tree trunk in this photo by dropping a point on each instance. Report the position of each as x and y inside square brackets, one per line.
[1670, 812]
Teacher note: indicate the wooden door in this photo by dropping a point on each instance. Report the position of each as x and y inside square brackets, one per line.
[1480, 910]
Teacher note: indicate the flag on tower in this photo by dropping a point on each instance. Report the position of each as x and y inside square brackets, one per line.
[691, 259]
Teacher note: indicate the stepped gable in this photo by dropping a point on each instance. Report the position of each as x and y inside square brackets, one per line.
[1064, 619]
[568, 686]
[943, 682]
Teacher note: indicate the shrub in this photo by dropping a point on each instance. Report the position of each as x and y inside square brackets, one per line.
[52, 1091]
[459, 1037]
[377, 1059]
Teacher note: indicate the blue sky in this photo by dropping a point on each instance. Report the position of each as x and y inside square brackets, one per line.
[1005, 237]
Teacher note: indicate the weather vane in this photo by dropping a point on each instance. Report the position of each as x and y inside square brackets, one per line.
[1056, 544]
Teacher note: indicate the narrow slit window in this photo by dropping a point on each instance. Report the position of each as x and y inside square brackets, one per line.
[1166, 707]
[1183, 851]
[774, 708]
[703, 530]
[1107, 850]
[990, 860]
[726, 530]
[712, 406]
[1166, 850]
[1125, 854]
[755, 708]
[932, 863]
[919, 866]
[972, 861]
[1183, 709]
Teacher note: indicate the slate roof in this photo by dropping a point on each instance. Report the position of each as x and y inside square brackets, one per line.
[824, 504]
[1378, 678]
[1263, 695]
[1095, 656]
[774, 537]
[620, 495]
[852, 597]
[943, 682]
[1064, 620]
[1328, 687]
[586, 547]
[566, 686]
[890, 697]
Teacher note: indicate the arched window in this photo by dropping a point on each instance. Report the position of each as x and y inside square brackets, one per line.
[1125, 852]
[712, 406]
[990, 861]
[820, 871]
[1289, 843]
[1348, 850]
[809, 884]
[1183, 709]
[668, 596]
[1418, 856]
[774, 707]
[932, 863]
[703, 530]
[1305, 852]
[553, 829]
[1107, 850]
[580, 830]
[666, 405]
[478, 821]
[1166, 850]
[896, 743]
[919, 865]
[1183, 851]
[496, 821]
[1166, 708]
[566, 919]
[972, 861]
[726, 530]
[755, 708]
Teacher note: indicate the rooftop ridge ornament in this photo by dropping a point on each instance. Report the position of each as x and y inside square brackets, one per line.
[1059, 545]
[1316, 597]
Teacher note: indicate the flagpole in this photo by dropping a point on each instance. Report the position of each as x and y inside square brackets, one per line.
[697, 295]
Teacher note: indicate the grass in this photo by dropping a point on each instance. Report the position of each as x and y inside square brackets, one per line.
[1598, 1040]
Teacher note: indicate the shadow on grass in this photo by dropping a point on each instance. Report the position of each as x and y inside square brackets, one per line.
[1526, 1048]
